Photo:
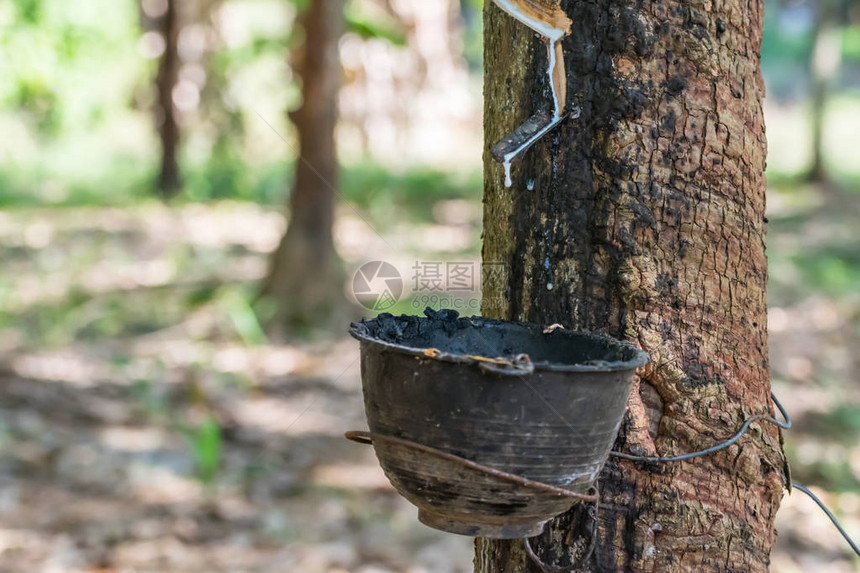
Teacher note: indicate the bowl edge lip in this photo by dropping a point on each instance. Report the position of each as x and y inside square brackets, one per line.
[640, 358]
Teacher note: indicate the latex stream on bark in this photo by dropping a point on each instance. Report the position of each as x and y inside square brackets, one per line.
[547, 19]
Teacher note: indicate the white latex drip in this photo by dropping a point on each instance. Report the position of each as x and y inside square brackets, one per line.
[552, 36]
[556, 99]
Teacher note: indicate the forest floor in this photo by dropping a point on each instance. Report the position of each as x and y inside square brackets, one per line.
[146, 425]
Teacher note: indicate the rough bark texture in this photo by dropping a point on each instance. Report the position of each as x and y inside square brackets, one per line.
[169, 181]
[644, 219]
[305, 276]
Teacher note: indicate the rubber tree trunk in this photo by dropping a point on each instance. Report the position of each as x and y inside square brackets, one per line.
[169, 181]
[644, 219]
[305, 277]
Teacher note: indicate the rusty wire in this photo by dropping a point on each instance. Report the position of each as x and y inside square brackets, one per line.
[370, 437]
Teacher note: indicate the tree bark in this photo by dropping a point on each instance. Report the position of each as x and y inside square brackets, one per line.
[305, 277]
[169, 181]
[644, 219]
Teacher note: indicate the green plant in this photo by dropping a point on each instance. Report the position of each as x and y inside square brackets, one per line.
[205, 442]
[243, 318]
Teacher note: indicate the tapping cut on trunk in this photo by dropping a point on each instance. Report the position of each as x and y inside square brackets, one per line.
[547, 18]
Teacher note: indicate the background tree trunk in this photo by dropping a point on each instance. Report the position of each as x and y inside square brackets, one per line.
[644, 219]
[824, 66]
[169, 181]
[305, 277]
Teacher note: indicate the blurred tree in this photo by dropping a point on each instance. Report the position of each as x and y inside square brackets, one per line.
[824, 66]
[169, 181]
[644, 219]
[305, 277]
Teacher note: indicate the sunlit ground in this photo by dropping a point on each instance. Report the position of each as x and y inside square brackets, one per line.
[124, 332]
[127, 335]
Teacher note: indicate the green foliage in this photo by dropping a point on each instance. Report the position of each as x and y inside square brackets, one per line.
[381, 193]
[243, 318]
[81, 316]
[227, 176]
[851, 43]
[61, 62]
[780, 44]
[205, 442]
[473, 39]
[204, 439]
[201, 296]
[33, 96]
[152, 402]
[828, 265]
[833, 270]
[370, 21]
[29, 11]
[410, 193]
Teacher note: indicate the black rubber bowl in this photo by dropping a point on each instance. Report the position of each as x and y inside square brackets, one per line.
[543, 406]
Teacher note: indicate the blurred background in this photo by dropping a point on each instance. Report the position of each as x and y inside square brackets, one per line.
[175, 377]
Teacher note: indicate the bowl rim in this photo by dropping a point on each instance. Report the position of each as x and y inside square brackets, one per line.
[359, 331]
